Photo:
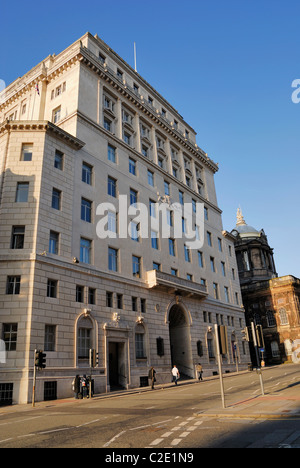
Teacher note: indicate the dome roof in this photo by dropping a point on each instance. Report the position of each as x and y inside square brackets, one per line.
[243, 229]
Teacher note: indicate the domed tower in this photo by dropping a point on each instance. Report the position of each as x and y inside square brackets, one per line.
[255, 257]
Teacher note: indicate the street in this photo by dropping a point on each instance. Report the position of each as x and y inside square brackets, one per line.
[189, 416]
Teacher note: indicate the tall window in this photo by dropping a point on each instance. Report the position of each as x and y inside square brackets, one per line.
[58, 160]
[86, 210]
[22, 192]
[136, 266]
[52, 288]
[87, 172]
[112, 259]
[140, 342]
[10, 333]
[271, 319]
[112, 187]
[17, 238]
[85, 250]
[54, 242]
[56, 199]
[111, 154]
[50, 338]
[283, 317]
[84, 343]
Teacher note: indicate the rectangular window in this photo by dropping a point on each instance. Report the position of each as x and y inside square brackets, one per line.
[80, 294]
[86, 210]
[156, 266]
[112, 259]
[154, 240]
[59, 160]
[151, 178]
[172, 247]
[54, 243]
[22, 192]
[56, 115]
[226, 292]
[223, 268]
[216, 291]
[139, 346]
[26, 154]
[84, 343]
[112, 187]
[209, 239]
[174, 272]
[200, 259]
[17, 237]
[187, 254]
[220, 245]
[56, 199]
[133, 197]
[134, 304]
[111, 153]
[134, 227]
[92, 296]
[132, 166]
[120, 301]
[143, 306]
[85, 250]
[136, 266]
[87, 172]
[13, 285]
[109, 299]
[52, 288]
[167, 188]
[212, 264]
[50, 338]
[107, 124]
[10, 334]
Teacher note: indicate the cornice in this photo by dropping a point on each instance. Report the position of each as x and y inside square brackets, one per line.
[43, 126]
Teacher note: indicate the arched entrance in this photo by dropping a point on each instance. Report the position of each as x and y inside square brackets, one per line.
[180, 341]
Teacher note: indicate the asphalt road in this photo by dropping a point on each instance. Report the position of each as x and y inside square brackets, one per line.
[170, 418]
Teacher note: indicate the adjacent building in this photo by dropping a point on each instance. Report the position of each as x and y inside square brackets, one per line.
[269, 300]
[82, 129]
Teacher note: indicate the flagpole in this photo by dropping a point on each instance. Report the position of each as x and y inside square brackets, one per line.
[135, 67]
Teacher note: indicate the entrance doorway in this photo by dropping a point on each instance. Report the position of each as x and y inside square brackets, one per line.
[117, 377]
[180, 341]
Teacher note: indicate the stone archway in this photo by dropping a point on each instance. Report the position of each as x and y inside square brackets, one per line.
[180, 341]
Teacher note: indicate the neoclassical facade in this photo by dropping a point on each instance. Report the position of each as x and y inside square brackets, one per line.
[82, 129]
[269, 300]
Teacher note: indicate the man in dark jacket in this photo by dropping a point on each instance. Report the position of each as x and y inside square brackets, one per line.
[152, 377]
[76, 386]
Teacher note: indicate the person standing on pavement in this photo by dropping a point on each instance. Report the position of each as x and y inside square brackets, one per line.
[76, 386]
[152, 374]
[175, 374]
[200, 372]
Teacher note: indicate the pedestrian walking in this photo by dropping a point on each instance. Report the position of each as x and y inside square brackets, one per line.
[175, 374]
[152, 376]
[200, 372]
[84, 387]
[76, 386]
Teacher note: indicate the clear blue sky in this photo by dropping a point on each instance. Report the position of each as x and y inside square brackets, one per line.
[226, 65]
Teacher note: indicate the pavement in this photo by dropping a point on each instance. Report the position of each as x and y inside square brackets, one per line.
[268, 407]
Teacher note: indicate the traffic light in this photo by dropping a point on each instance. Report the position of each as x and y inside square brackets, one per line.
[260, 336]
[246, 334]
[94, 358]
[40, 359]
[223, 339]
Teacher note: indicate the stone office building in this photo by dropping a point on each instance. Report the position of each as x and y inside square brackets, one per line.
[80, 129]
